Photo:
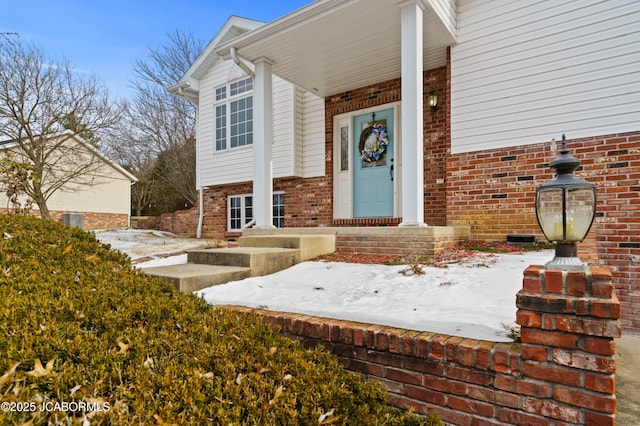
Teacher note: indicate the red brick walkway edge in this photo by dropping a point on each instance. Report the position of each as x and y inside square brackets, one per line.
[563, 372]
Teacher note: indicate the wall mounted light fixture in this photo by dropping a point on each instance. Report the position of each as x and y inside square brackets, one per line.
[432, 98]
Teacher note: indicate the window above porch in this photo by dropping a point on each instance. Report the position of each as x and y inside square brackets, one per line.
[234, 115]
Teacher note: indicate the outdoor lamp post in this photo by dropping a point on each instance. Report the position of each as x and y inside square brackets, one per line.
[565, 208]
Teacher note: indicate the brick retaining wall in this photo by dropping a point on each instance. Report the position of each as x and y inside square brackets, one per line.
[97, 220]
[90, 220]
[181, 222]
[563, 372]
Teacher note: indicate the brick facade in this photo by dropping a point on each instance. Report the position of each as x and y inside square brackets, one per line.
[91, 220]
[436, 134]
[493, 191]
[563, 372]
[99, 220]
[309, 202]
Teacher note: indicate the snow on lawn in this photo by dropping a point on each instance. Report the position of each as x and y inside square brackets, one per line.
[155, 245]
[475, 299]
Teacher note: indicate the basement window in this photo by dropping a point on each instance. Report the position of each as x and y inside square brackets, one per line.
[240, 211]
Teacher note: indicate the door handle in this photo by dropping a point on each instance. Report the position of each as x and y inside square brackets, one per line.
[391, 170]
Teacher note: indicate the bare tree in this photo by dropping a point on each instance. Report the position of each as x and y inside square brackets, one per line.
[165, 121]
[127, 148]
[175, 167]
[39, 96]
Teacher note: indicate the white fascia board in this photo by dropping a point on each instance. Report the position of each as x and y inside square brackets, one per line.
[208, 57]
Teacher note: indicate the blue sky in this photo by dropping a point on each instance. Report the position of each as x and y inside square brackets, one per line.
[107, 36]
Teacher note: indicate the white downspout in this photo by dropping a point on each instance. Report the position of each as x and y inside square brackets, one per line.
[242, 65]
[129, 219]
[198, 177]
[200, 214]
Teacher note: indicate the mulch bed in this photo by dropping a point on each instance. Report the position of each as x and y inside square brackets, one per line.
[459, 253]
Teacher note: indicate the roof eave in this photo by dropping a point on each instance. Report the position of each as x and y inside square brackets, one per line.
[298, 17]
[186, 89]
[190, 82]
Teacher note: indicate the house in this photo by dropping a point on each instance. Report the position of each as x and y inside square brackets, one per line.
[98, 196]
[457, 103]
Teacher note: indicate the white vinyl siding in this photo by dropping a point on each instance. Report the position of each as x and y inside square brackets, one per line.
[313, 135]
[528, 71]
[298, 148]
[102, 189]
[299, 131]
[283, 128]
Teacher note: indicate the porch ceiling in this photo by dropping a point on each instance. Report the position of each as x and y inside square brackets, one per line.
[332, 46]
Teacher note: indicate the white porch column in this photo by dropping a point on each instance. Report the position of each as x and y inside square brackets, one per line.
[262, 144]
[412, 117]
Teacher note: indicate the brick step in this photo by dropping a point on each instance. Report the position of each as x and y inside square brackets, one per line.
[190, 277]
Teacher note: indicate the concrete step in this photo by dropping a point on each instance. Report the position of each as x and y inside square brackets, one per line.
[190, 277]
[310, 246]
[261, 260]
[257, 255]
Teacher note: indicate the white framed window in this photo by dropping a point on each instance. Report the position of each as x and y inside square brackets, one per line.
[278, 209]
[240, 211]
[234, 115]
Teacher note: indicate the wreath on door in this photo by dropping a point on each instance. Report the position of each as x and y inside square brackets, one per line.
[373, 142]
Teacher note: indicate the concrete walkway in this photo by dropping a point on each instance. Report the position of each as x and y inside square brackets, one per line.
[628, 380]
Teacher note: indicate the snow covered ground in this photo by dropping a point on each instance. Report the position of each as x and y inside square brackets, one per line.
[148, 247]
[473, 299]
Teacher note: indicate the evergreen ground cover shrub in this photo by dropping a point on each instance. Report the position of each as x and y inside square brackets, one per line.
[87, 340]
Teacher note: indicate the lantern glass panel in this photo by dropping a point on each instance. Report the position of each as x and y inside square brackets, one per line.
[433, 100]
[580, 211]
[549, 210]
[568, 219]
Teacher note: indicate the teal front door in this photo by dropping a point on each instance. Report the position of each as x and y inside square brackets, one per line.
[373, 171]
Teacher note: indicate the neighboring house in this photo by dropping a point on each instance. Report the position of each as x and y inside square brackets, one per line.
[99, 198]
[282, 107]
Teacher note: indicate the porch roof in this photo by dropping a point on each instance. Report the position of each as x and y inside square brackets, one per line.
[332, 46]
